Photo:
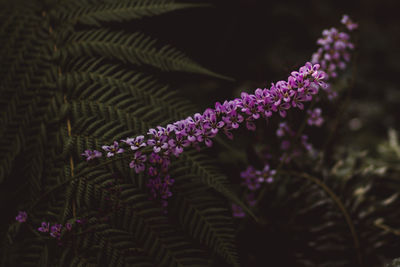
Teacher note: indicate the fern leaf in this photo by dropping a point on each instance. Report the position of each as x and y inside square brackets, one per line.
[136, 48]
[94, 15]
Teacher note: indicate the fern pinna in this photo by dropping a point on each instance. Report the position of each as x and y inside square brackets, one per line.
[72, 84]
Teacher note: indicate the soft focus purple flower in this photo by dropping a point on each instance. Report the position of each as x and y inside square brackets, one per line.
[333, 52]
[89, 154]
[237, 211]
[304, 142]
[113, 149]
[44, 228]
[250, 178]
[266, 174]
[349, 24]
[22, 216]
[251, 199]
[55, 230]
[168, 180]
[165, 192]
[138, 162]
[314, 117]
[68, 226]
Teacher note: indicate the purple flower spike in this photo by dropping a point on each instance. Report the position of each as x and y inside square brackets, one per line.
[22, 216]
[44, 228]
[113, 149]
[138, 162]
[89, 154]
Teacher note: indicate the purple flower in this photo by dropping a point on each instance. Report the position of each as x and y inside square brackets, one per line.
[304, 142]
[237, 211]
[138, 162]
[191, 130]
[22, 216]
[89, 154]
[165, 191]
[136, 142]
[158, 141]
[251, 199]
[250, 178]
[284, 130]
[266, 175]
[44, 228]
[68, 226]
[113, 149]
[233, 119]
[176, 145]
[349, 24]
[55, 230]
[314, 117]
[168, 180]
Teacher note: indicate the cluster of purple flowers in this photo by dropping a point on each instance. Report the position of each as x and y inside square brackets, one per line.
[54, 230]
[254, 178]
[333, 54]
[160, 181]
[22, 216]
[334, 48]
[289, 146]
[194, 130]
[300, 87]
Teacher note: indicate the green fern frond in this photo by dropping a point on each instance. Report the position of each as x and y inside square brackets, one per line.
[136, 48]
[94, 15]
[205, 217]
[65, 91]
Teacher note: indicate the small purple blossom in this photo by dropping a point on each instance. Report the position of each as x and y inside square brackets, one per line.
[89, 154]
[314, 117]
[44, 228]
[68, 226]
[113, 149]
[55, 230]
[158, 141]
[136, 142]
[266, 174]
[138, 162]
[250, 178]
[22, 216]
[237, 211]
[349, 23]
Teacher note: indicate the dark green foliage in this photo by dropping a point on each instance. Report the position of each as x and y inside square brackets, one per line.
[311, 229]
[67, 87]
